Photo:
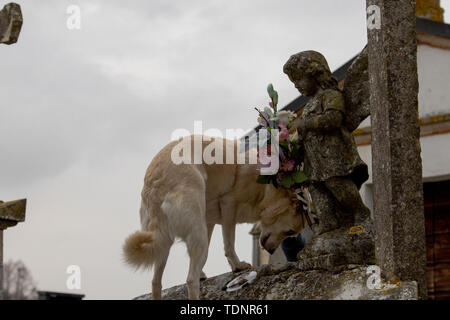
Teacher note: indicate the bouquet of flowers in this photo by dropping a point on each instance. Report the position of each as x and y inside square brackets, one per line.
[290, 152]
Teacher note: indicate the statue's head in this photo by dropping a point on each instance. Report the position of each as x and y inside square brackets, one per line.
[309, 71]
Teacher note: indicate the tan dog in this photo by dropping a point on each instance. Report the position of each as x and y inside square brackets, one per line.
[187, 200]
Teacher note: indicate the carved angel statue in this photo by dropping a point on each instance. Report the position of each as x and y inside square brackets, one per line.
[331, 161]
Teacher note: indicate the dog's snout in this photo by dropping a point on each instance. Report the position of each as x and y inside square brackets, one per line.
[264, 244]
[264, 240]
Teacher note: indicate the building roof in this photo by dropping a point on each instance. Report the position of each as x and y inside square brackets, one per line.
[434, 28]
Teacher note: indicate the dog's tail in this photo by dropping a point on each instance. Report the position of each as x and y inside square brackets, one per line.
[140, 249]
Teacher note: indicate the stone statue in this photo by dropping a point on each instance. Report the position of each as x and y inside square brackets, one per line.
[10, 23]
[331, 160]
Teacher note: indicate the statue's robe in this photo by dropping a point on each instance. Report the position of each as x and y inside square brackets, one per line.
[330, 149]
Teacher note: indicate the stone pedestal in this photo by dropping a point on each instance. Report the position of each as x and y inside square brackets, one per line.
[11, 213]
[396, 162]
[337, 248]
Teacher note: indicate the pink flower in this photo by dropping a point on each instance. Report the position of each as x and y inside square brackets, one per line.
[288, 165]
[271, 104]
[284, 134]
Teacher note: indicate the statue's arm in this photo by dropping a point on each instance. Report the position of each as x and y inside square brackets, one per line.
[331, 118]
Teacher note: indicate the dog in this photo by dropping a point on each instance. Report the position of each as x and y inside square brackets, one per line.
[186, 201]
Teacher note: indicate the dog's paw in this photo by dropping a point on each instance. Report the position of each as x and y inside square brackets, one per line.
[203, 276]
[241, 266]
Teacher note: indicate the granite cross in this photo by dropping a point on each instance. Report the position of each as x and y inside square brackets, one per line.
[14, 211]
[397, 166]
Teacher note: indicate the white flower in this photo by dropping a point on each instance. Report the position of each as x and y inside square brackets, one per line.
[284, 116]
[294, 137]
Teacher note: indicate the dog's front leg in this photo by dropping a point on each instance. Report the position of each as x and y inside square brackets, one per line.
[228, 233]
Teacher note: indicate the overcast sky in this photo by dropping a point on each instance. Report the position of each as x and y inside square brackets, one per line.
[84, 111]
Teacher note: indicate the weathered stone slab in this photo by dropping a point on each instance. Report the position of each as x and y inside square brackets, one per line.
[12, 212]
[344, 246]
[10, 23]
[396, 162]
[290, 283]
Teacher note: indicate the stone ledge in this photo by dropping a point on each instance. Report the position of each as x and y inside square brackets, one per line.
[331, 266]
[290, 283]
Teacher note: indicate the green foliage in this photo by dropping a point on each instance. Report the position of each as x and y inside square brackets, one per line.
[269, 112]
[287, 181]
[275, 100]
[266, 179]
[262, 179]
[299, 177]
[273, 96]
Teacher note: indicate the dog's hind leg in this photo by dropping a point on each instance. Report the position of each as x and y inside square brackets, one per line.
[197, 245]
[210, 231]
[185, 208]
[158, 270]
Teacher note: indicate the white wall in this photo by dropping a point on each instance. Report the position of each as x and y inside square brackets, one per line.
[434, 80]
[435, 156]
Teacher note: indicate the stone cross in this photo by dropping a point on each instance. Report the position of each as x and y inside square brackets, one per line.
[14, 211]
[397, 166]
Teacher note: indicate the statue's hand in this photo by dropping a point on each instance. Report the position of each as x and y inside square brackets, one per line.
[300, 124]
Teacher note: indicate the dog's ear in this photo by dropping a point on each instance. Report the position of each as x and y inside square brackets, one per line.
[272, 212]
